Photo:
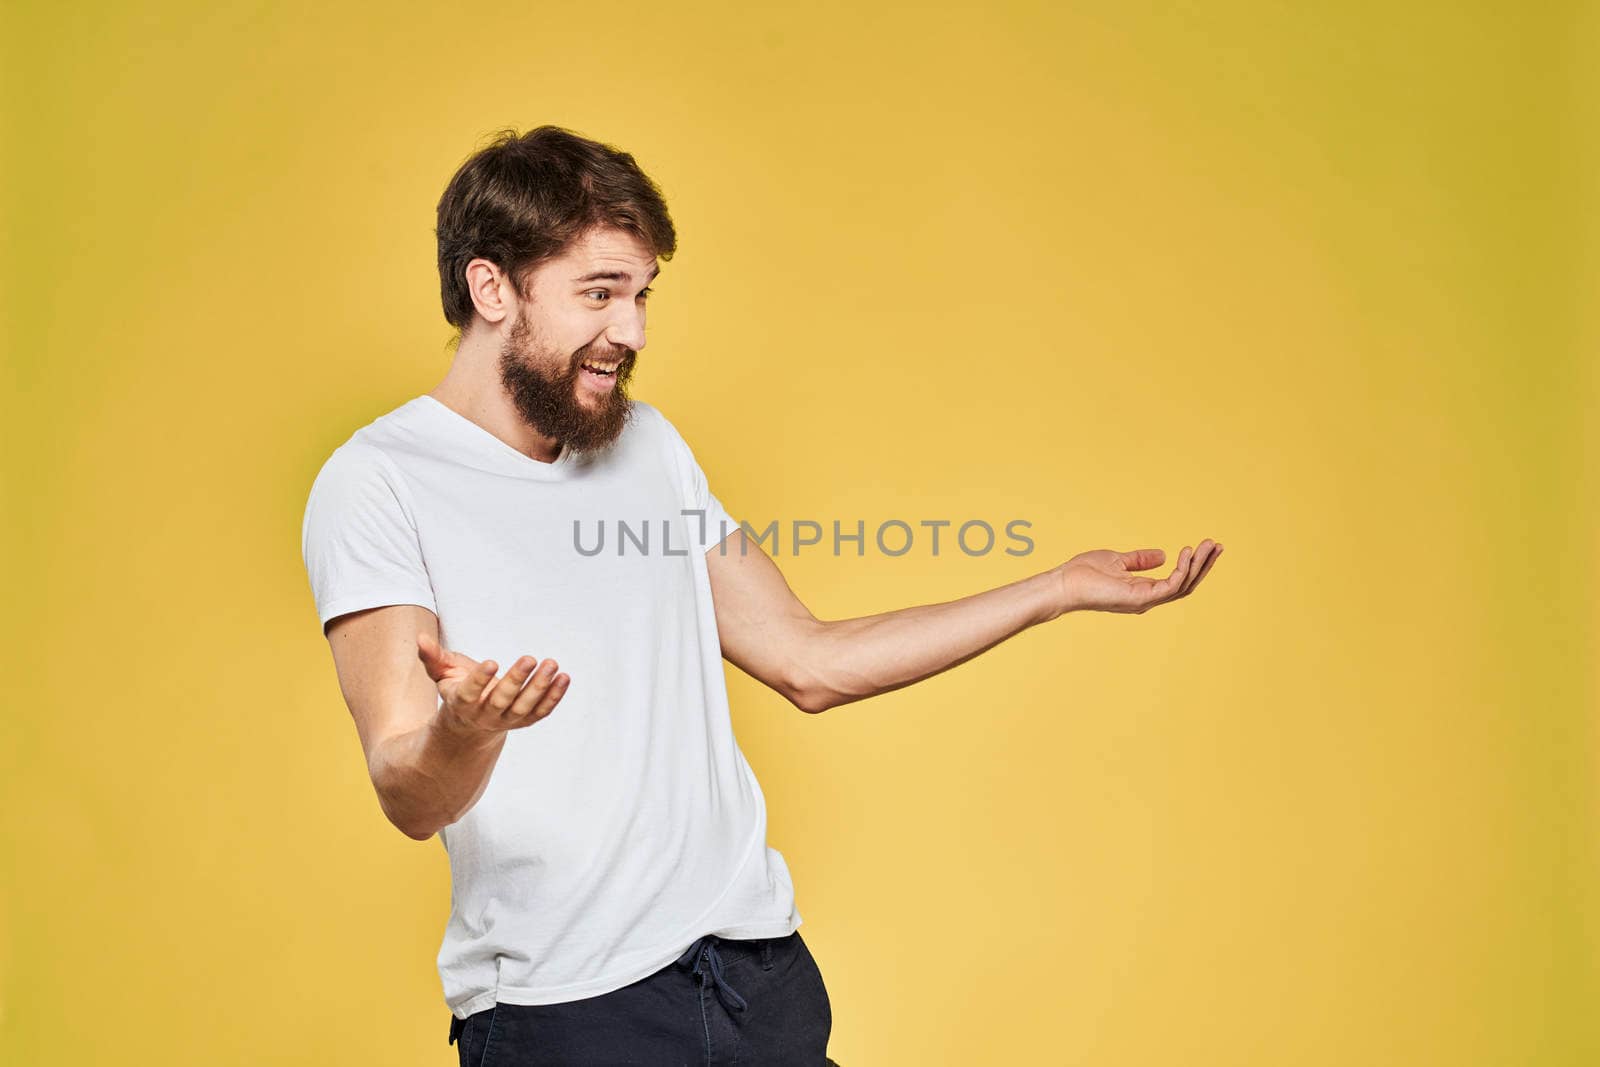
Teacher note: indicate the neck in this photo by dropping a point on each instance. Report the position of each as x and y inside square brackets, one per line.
[472, 389]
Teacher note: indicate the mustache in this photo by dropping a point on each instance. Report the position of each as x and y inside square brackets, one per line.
[624, 357]
[621, 355]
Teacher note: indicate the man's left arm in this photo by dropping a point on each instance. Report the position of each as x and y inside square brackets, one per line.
[769, 634]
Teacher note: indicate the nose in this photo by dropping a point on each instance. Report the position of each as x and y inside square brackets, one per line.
[626, 329]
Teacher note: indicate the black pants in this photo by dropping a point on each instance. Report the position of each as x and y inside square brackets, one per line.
[758, 1002]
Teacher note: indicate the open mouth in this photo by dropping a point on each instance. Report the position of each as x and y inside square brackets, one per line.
[601, 373]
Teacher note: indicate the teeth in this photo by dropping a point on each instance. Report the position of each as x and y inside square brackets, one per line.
[606, 367]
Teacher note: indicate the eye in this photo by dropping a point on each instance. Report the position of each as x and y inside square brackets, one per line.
[646, 291]
[602, 292]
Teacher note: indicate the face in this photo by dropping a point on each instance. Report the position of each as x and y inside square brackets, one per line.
[570, 350]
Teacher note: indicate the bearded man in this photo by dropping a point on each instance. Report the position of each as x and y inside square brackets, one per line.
[613, 896]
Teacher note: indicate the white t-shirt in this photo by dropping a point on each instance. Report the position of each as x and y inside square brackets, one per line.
[627, 823]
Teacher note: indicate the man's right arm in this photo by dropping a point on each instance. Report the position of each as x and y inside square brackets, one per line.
[427, 766]
[429, 777]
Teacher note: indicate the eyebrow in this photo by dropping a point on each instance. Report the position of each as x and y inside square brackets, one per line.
[613, 276]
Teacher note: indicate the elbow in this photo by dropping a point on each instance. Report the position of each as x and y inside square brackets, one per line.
[419, 825]
[406, 811]
[417, 833]
[807, 691]
[405, 820]
[808, 682]
[810, 701]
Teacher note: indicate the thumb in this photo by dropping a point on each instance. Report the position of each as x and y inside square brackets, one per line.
[1142, 559]
[432, 655]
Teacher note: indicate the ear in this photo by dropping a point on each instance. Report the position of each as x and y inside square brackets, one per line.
[491, 290]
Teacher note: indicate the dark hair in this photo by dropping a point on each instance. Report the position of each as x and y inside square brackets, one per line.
[524, 198]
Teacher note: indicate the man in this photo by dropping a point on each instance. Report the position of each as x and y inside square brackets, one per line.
[613, 896]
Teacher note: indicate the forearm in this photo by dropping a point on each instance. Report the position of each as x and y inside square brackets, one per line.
[429, 777]
[852, 659]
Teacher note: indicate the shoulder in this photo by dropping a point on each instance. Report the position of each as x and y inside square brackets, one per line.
[667, 443]
[358, 478]
[366, 452]
[653, 425]
[356, 462]
[654, 421]
[647, 415]
[373, 448]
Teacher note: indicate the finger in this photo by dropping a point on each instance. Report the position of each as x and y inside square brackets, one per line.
[505, 692]
[1142, 559]
[438, 661]
[1174, 581]
[431, 655]
[547, 703]
[533, 692]
[1172, 585]
[473, 688]
[1197, 564]
[1206, 569]
[1153, 591]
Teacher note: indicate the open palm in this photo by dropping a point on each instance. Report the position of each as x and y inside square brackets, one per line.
[1103, 580]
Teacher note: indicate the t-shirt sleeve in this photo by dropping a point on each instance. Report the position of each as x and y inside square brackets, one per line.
[718, 523]
[359, 537]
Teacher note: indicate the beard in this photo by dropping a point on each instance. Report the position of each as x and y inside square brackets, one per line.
[544, 386]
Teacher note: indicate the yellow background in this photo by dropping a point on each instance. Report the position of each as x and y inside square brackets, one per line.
[1315, 280]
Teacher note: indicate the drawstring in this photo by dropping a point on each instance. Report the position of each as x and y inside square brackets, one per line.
[693, 952]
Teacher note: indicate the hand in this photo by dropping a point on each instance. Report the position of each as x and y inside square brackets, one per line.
[1102, 580]
[471, 703]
